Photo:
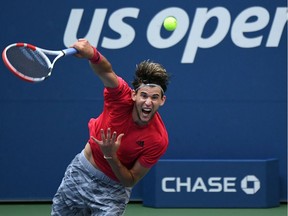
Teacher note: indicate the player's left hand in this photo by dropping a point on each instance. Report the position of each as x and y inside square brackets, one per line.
[110, 142]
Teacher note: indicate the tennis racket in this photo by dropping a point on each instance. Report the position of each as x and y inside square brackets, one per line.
[31, 63]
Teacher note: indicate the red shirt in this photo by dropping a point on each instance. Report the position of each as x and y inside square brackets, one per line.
[144, 143]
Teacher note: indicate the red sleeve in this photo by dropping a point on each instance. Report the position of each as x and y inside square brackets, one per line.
[112, 93]
[153, 153]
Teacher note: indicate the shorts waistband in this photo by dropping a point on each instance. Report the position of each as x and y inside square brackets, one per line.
[95, 172]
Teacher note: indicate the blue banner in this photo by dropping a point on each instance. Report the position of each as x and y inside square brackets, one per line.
[213, 184]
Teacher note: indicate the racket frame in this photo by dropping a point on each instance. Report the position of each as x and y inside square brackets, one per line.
[43, 53]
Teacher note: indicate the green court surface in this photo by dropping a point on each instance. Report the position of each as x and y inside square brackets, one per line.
[133, 209]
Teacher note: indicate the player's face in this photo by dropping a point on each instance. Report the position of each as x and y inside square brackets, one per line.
[147, 101]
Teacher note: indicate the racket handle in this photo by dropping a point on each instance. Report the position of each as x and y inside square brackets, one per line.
[69, 51]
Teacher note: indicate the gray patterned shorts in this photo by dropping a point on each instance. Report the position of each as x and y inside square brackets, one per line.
[85, 190]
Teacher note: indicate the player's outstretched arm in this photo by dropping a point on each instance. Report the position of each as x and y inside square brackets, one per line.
[99, 64]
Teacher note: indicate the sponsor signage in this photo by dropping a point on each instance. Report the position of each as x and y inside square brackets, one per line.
[193, 28]
[213, 183]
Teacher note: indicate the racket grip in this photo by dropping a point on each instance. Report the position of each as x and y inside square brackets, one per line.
[69, 51]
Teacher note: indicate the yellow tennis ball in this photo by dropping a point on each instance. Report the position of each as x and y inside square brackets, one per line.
[170, 23]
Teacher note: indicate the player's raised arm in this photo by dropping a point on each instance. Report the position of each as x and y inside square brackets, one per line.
[100, 65]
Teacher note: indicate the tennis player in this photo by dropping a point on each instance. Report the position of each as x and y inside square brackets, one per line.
[126, 140]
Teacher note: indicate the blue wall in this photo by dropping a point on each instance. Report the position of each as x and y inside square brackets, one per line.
[227, 98]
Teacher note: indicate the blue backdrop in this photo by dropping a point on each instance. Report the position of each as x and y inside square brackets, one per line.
[227, 98]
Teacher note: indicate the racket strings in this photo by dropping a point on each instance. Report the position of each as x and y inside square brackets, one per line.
[28, 62]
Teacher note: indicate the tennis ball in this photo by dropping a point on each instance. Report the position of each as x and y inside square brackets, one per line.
[170, 23]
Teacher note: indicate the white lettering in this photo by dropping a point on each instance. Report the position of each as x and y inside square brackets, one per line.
[195, 39]
[229, 184]
[180, 184]
[199, 185]
[242, 25]
[279, 23]
[165, 182]
[245, 30]
[215, 182]
[93, 35]
[126, 32]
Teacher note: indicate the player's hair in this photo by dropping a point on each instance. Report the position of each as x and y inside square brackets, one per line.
[148, 72]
